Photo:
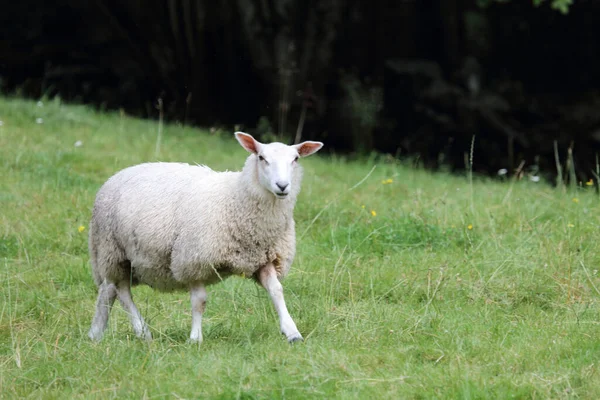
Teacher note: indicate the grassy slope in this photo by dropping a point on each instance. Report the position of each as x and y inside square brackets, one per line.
[407, 303]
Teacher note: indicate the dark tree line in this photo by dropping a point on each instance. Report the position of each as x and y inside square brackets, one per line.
[416, 78]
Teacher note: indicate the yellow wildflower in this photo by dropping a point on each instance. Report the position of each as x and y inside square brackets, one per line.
[387, 181]
[571, 225]
[470, 227]
[575, 200]
[363, 206]
[590, 183]
[81, 228]
[373, 213]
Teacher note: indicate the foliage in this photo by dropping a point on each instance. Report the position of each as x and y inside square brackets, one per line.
[364, 102]
[406, 284]
[559, 5]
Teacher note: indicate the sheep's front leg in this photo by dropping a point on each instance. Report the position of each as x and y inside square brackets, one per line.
[268, 279]
[198, 299]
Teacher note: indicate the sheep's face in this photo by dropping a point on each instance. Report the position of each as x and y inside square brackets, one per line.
[276, 162]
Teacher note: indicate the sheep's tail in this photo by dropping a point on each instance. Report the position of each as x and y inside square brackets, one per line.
[93, 250]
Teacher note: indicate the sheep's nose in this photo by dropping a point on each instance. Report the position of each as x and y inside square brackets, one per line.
[282, 185]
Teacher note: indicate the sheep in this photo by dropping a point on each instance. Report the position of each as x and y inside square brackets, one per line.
[175, 226]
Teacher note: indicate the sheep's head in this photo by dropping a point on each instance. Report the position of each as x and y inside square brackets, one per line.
[276, 162]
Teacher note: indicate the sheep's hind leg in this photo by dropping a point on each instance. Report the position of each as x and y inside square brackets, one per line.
[268, 279]
[107, 292]
[198, 299]
[139, 326]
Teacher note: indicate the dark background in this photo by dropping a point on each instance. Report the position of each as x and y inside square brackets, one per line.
[413, 78]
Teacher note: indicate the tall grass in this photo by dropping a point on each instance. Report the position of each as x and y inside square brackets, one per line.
[406, 284]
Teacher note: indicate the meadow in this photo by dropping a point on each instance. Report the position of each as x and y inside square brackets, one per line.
[406, 283]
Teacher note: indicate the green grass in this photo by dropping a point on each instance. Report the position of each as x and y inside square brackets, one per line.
[409, 303]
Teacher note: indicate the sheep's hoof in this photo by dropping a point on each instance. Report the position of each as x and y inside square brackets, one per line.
[144, 334]
[295, 338]
[95, 334]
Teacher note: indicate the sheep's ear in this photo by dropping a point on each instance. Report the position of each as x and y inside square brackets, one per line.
[247, 142]
[307, 148]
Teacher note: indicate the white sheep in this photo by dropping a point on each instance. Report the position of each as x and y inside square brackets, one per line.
[175, 226]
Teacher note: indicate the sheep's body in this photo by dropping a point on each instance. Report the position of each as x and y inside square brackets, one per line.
[175, 226]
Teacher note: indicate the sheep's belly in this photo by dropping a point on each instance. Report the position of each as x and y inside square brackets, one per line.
[162, 278]
[157, 278]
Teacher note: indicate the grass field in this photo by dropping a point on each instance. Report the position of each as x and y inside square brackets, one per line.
[406, 284]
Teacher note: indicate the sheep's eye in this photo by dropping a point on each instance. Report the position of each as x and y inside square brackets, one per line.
[296, 159]
[261, 158]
